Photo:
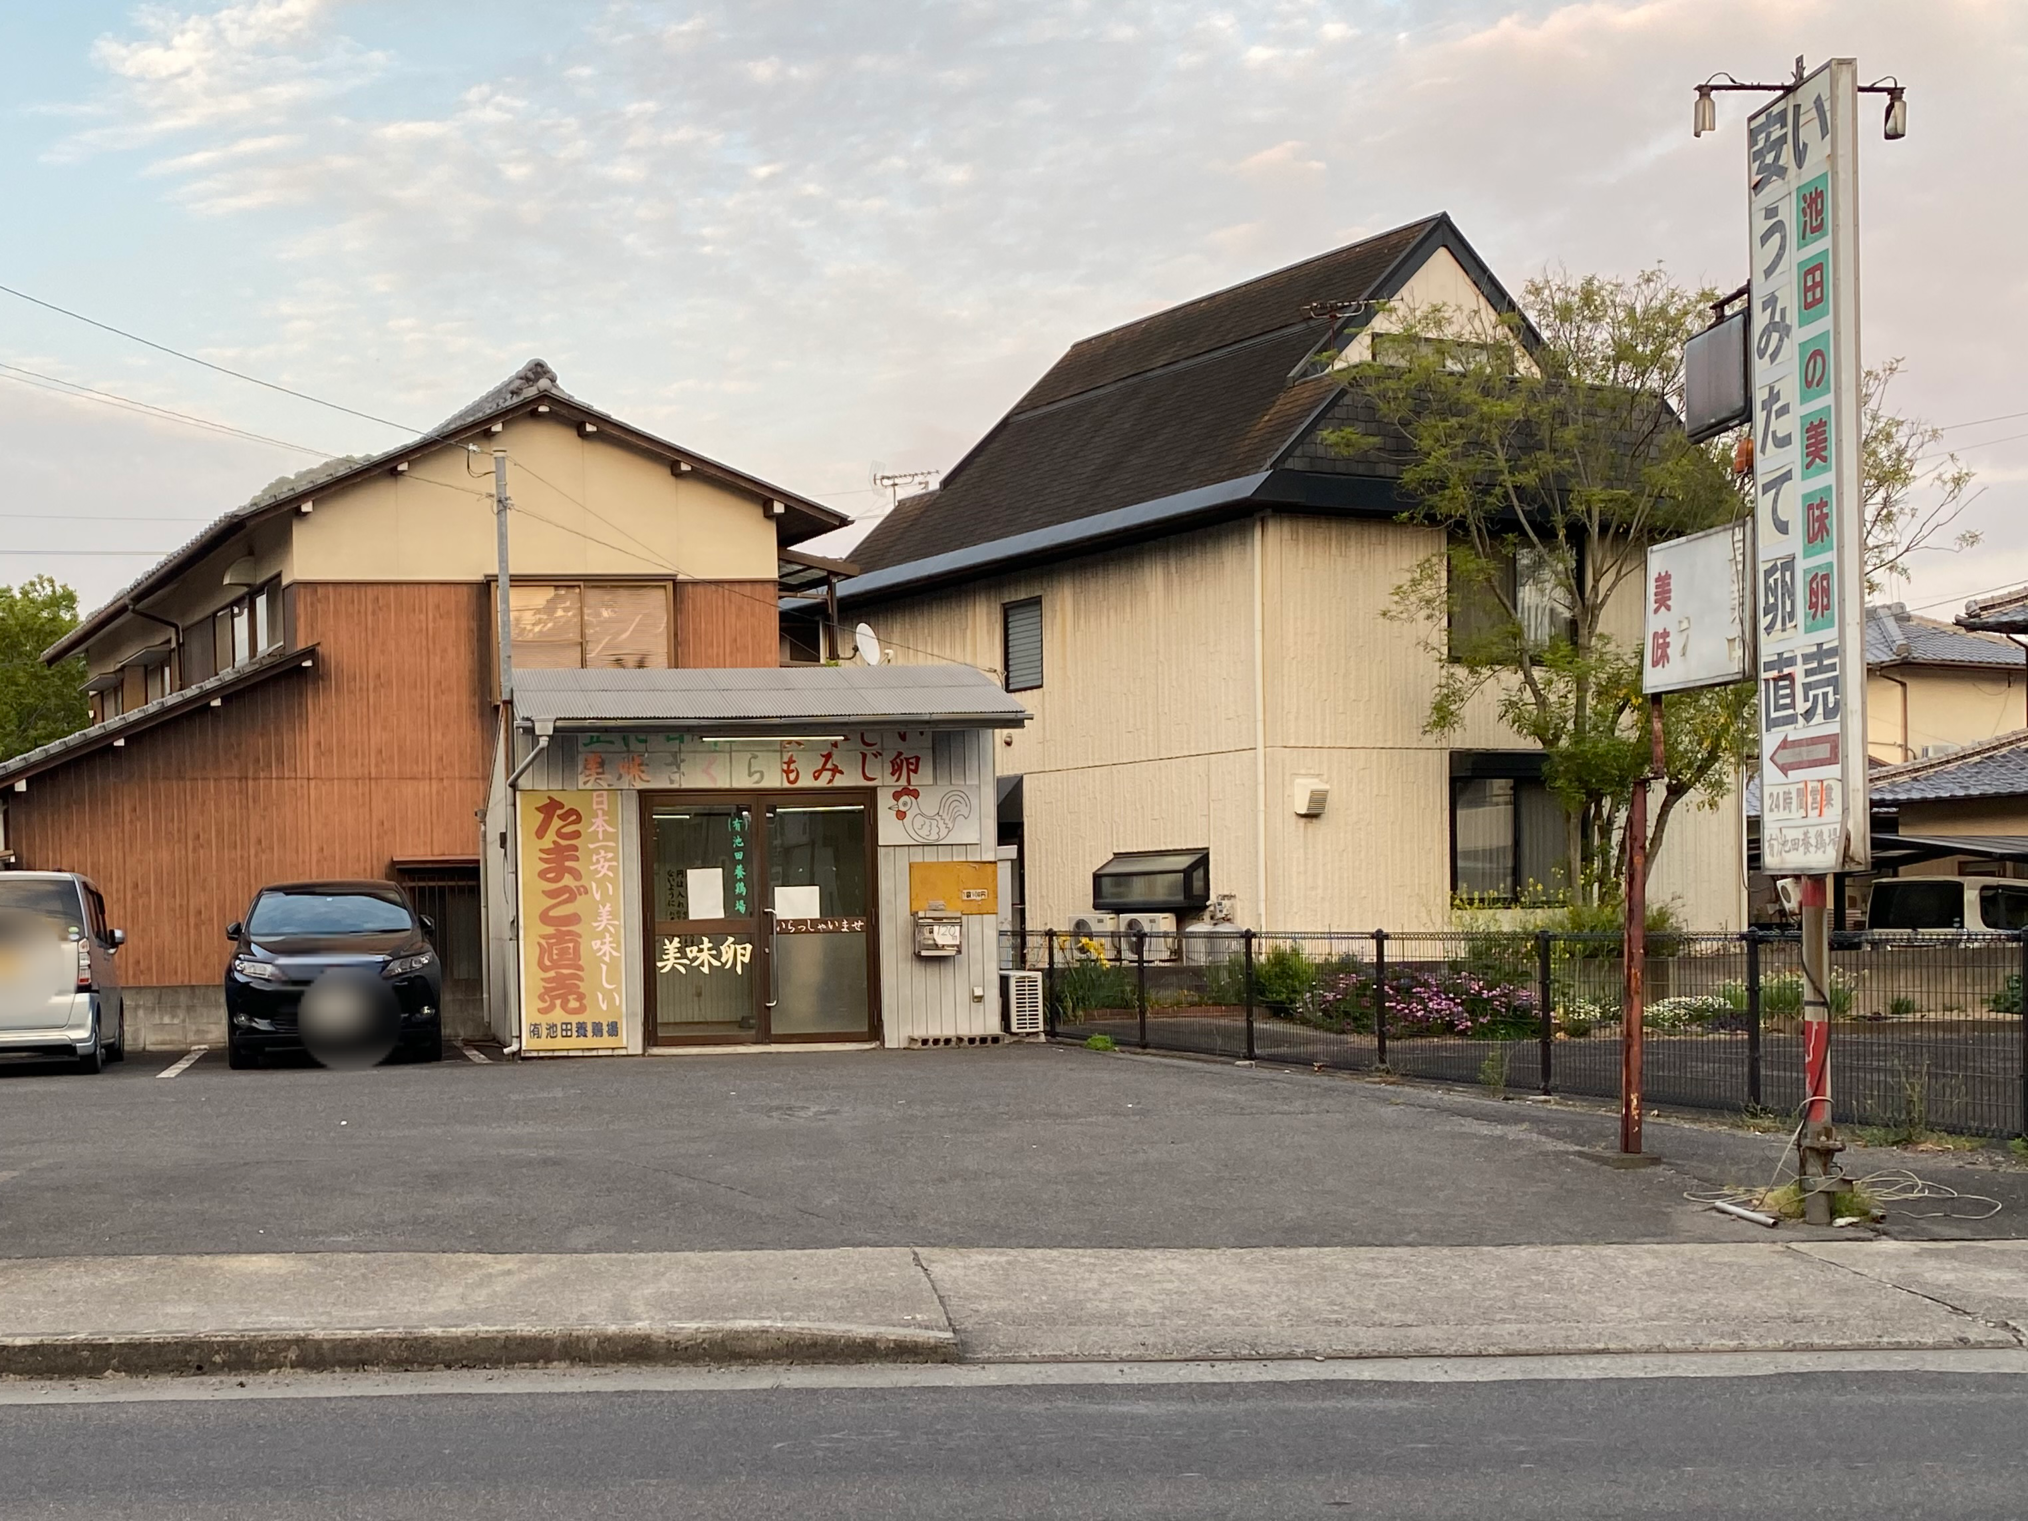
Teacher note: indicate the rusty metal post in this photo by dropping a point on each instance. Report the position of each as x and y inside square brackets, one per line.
[1818, 1146]
[1634, 944]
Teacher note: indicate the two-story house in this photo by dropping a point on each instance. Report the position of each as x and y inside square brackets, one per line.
[309, 690]
[1160, 551]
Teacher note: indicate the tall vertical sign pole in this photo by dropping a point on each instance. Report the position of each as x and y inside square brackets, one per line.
[1802, 171]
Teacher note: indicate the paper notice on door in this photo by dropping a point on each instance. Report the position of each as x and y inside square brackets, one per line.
[799, 903]
[705, 886]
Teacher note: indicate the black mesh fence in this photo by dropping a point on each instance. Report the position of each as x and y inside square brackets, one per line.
[1927, 1030]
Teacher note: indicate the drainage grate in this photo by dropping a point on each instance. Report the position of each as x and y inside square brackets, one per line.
[917, 1041]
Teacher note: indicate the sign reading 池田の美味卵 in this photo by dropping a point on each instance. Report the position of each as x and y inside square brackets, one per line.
[572, 974]
[1696, 602]
[1808, 584]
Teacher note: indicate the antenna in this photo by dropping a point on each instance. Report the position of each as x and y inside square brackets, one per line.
[868, 645]
[892, 481]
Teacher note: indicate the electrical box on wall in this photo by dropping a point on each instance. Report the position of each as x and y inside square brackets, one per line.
[938, 932]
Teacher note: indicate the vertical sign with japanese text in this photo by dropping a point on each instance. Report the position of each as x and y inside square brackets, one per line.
[1808, 585]
[572, 940]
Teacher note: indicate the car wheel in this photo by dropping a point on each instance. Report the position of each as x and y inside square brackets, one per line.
[240, 1058]
[93, 1060]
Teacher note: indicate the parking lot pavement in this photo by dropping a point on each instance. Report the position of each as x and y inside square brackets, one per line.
[1021, 1146]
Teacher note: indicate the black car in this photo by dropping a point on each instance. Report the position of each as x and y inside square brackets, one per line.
[297, 931]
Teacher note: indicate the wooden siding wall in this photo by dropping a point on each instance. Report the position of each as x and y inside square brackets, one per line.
[379, 752]
[727, 624]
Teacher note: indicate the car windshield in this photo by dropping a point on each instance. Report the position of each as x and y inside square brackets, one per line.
[327, 914]
[50, 899]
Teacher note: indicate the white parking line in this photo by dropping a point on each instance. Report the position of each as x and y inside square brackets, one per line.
[477, 1056]
[183, 1061]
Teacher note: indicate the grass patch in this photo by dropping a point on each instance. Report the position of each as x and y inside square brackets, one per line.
[1914, 1140]
[1763, 1120]
[1493, 1070]
[1099, 1043]
[1787, 1202]
[2019, 1146]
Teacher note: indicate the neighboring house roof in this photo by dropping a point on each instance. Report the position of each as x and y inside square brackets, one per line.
[1895, 636]
[1997, 768]
[161, 710]
[1194, 409]
[533, 385]
[890, 696]
[2005, 613]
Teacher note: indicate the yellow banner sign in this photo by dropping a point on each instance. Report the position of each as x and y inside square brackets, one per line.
[572, 971]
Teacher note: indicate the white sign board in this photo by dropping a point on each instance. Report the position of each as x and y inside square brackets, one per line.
[1802, 167]
[1696, 600]
[929, 816]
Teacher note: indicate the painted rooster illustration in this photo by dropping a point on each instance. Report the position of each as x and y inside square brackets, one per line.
[927, 827]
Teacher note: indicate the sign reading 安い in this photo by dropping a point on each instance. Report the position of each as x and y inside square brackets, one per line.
[572, 971]
[1808, 585]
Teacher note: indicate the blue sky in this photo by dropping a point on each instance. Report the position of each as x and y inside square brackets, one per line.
[812, 238]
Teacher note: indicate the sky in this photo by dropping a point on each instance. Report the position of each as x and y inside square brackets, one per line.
[820, 240]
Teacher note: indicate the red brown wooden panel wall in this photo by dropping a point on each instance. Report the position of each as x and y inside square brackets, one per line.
[727, 624]
[382, 751]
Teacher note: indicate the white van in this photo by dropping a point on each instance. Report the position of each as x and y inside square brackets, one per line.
[1970, 904]
[59, 994]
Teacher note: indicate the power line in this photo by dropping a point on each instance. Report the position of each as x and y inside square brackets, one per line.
[193, 359]
[71, 388]
[155, 554]
[1979, 421]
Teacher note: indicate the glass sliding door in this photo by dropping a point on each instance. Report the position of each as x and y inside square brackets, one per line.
[707, 955]
[820, 884]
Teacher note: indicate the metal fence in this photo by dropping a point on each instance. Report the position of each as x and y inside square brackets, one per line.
[1928, 1030]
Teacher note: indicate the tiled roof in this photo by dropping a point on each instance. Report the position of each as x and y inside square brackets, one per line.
[1997, 768]
[161, 710]
[1895, 636]
[2006, 613]
[1181, 401]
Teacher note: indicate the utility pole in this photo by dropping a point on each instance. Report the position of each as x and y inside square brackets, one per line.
[502, 504]
[1634, 946]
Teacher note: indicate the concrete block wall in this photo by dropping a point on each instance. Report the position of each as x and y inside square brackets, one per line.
[174, 1018]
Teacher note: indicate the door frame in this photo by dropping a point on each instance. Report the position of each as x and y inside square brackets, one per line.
[868, 798]
[762, 925]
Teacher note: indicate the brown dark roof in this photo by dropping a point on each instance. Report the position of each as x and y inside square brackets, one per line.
[1190, 398]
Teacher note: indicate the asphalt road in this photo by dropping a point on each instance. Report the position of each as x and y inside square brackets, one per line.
[1851, 1445]
[1025, 1146]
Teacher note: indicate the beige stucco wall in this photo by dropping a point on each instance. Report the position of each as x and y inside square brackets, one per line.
[609, 510]
[1144, 727]
[1910, 706]
[2000, 815]
[1440, 281]
[591, 506]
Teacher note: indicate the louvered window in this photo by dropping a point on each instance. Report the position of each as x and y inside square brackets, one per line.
[1021, 637]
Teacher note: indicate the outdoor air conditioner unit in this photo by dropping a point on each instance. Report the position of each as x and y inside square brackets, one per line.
[1021, 1002]
[1095, 930]
[1158, 931]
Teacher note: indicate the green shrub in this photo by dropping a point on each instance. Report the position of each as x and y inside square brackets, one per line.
[1901, 1006]
[1781, 996]
[1099, 1043]
[1093, 984]
[2008, 999]
[1284, 978]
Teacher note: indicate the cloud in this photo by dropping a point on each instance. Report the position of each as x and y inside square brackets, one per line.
[805, 235]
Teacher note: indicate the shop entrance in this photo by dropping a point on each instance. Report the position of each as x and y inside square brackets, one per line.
[763, 918]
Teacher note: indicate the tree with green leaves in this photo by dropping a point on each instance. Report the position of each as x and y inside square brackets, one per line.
[38, 703]
[1550, 455]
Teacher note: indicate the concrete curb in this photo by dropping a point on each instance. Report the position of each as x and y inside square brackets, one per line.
[193, 1353]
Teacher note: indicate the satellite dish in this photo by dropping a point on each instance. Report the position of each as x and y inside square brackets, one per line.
[868, 646]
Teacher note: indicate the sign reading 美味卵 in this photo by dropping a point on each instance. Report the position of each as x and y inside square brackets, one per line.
[683, 762]
[1696, 595]
[1808, 584]
[572, 966]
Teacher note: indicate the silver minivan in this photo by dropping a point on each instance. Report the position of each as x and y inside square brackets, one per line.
[59, 993]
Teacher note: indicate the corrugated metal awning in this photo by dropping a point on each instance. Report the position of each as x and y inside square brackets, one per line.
[761, 700]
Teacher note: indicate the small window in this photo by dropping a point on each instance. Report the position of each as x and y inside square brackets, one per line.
[590, 625]
[1529, 580]
[1147, 881]
[1021, 641]
[2004, 908]
[1916, 904]
[1508, 830]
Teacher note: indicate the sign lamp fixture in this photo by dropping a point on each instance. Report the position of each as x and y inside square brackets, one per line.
[1704, 114]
